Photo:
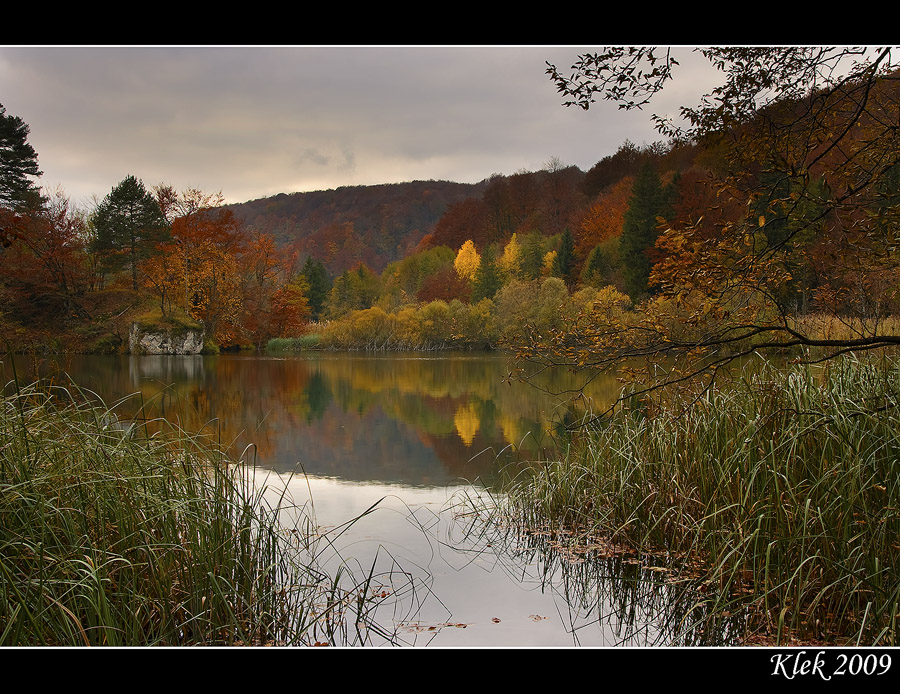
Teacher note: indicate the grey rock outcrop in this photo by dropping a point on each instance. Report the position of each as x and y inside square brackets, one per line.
[146, 341]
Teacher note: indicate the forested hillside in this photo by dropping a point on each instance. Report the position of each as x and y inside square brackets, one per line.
[355, 224]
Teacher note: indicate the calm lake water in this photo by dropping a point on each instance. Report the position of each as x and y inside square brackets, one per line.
[413, 437]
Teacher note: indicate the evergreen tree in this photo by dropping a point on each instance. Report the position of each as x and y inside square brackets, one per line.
[649, 200]
[532, 256]
[129, 225]
[319, 285]
[18, 162]
[602, 264]
[564, 263]
[353, 290]
[487, 277]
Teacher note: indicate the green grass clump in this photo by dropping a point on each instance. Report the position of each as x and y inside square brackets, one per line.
[293, 344]
[779, 495]
[111, 536]
[176, 320]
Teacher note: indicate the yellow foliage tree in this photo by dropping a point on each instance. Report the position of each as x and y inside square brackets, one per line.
[511, 261]
[547, 267]
[467, 261]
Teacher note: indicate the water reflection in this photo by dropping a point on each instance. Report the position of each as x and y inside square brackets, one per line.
[612, 596]
[388, 418]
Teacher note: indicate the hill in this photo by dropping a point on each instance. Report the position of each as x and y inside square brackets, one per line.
[345, 226]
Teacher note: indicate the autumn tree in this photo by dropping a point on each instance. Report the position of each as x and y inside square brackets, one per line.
[561, 196]
[467, 260]
[262, 272]
[289, 311]
[200, 268]
[164, 274]
[46, 270]
[804, 139]
[604, 219]
[510, 261]
[445, 285]
[129, 225]
[402, 279]
[174, 203]
[625, 163]
[462, 220]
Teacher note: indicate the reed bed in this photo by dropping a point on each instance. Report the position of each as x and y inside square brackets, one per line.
[778, 495]
[112, 536]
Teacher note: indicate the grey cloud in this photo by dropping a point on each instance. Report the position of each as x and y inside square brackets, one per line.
[229, 118]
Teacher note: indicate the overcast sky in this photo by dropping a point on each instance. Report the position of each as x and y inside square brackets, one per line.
[256, 121]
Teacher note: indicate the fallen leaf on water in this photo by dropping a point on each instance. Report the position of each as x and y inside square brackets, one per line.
[415, 626]
[536, 617]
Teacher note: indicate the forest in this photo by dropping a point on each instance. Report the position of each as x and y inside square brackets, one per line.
[320, 263]
[458, 267]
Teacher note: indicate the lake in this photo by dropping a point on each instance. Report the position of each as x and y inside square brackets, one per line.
[413, 438]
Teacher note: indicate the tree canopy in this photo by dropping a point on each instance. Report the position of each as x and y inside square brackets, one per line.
[803, 159]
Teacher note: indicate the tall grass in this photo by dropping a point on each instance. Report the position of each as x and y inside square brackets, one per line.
[112, 536]
[779, 495]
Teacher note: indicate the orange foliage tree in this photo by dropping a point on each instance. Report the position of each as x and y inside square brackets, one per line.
[463, 220]
[275, 297]
[200, 265]
[604, 218]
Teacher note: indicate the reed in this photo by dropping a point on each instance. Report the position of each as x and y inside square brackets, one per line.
[112, 536]
[778, 495]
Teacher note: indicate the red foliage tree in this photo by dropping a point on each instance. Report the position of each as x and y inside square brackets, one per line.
[445, 284]
[463, 220]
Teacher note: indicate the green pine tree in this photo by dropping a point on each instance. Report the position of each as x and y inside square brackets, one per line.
[487, 277]
[129, 225]
[532, 255]
[319, 285]
[18, 163]
[564, 262]
[649, 200]
[602, 264]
